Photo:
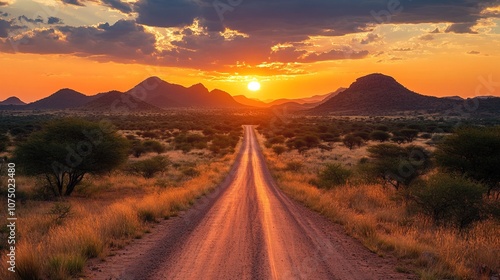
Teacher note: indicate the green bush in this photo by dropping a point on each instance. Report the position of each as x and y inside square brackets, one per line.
[450, 200]
[148, 168]
[333, 175]
[474, 153]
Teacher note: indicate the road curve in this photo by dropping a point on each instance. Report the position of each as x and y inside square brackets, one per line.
[247, 229]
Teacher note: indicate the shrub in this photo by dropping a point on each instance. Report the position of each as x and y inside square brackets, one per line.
[450, 200]
[474, 153]
[148, 168]
[351, 141]
[279, 149]
[379, 135]
[154, 146]
[66, 150]
[333, 175]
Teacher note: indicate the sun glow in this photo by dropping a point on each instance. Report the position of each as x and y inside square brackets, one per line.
[254, 86]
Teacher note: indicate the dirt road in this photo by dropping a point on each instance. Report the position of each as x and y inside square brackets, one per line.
[247, 229]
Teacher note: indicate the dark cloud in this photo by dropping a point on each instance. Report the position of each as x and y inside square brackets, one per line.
[73, 2]
[4, 28]
[435, 31]
[302, 18]
[54, 20]
[2, 14]
[473, 52]
[123, 40]
[3, 3]
[118, 5]
[167, 14]
[462, 27]
[24, 18]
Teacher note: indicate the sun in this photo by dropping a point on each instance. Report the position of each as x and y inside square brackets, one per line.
[254, 86]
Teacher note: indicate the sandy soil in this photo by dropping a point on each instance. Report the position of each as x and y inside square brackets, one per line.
[246, 229]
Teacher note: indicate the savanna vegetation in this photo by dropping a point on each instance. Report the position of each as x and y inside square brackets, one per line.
[88, 185]
[423, 190]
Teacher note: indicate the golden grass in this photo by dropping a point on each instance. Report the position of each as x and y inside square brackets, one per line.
[105, 214]
[378, 217]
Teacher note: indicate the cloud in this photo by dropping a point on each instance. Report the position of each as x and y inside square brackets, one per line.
[6, 27]
[54, 20]
[427, 37]
[370, 38]
[118, 5]
[473, 52]
[304, 18]
[2, 14]
[435, 31]
[30, 20]
[73, 2]
[122, 40]
[463, 27]
[336, 55]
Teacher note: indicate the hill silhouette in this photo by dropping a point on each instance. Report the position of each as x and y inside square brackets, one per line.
[155, 91]
[118, 102]
[381, 94]
[62, 99]
[12, 101]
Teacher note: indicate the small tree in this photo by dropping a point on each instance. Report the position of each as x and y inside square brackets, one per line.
[408, 134]
[474, 153]
[351, 141]
[398, 165]
[66, 150]
[379, 135]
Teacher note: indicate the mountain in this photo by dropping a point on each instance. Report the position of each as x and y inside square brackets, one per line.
[155, 91]
[62, 99]
[118, 102]
[250, 101]
[12, 101]
[381, 94]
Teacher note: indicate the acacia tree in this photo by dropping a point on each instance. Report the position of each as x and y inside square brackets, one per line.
[398, 165]
[473, 153]
[68, 149]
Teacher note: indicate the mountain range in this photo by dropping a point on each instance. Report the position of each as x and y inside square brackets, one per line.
[374, 94]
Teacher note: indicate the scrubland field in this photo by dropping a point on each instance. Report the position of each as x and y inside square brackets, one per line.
[410, 208]
[168, 166]
[396, 184]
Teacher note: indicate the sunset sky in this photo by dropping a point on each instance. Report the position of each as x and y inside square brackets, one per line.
[294, 48]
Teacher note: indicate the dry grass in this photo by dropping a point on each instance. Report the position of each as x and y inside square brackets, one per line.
[106, 213]
[379, 218]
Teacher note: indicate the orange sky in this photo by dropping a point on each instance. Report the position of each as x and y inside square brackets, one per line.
[433, 58]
